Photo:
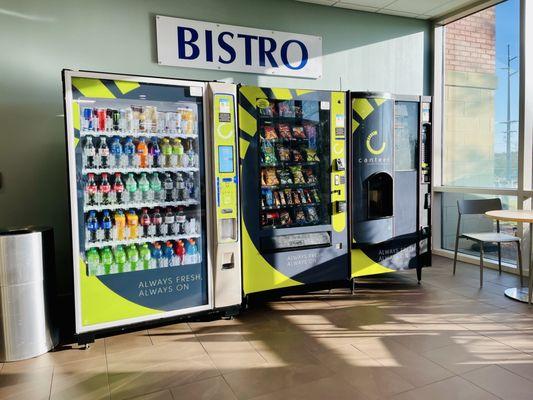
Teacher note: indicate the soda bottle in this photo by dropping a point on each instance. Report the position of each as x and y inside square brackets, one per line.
[104, 190]
[118, 188]
[191, 154]
[132, 221]
[101, 115]
[120, 258]
[103, 153]
[155, 186]
[180, 187]
[157, 220]
[191, 251]
[116, 151]
[133, 257]
[92, 226]
[181, 220]
[157, 254]
[177, 152]
[89, 152]
[116, 120]
[108, 119]
[93, 262]
[129, 151]
[107, 225]
[190, 190]
[144, 187]
[145, 255]
[87, 120]
[142, 151]
[166, 150]
[107, 260]
[170, 221]
[145, 222]
[131, 186]
[91, 190]
[180, 252]
[169, 253]
[120, 225]
[155, 153]
[169, 187]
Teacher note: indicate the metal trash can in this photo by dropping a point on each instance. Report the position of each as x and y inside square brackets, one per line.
[26, 255]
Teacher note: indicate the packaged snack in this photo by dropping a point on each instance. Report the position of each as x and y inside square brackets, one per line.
[298, 132]
[308, 196]
[316, 195]
[297, 175]
[309, 175]
[269, 198]
[286, 109]
[297, 156]
[284, 131]
[284, 177]
[277, 200]
[269, 176]
[299, 216]
[269, 111]
[269, 154]
[296, 197]
[311, 155]
[272, 217]
[310, 132]
[298, 112]
[284, 153]
[270, 133]
[282, 198]
[285, 218]
[303, 198]
[288, 197]
[312, 215]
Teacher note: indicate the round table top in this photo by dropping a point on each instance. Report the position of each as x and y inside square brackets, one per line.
[511, 215]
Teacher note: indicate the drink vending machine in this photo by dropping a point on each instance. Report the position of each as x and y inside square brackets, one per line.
[293, 183]
[390, 178]
[154, 200]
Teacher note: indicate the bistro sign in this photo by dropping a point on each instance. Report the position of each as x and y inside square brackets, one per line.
[198, 44]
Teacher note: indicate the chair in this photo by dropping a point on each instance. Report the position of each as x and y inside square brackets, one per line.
[478, 207]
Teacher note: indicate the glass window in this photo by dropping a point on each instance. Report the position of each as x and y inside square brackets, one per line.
[481, 96]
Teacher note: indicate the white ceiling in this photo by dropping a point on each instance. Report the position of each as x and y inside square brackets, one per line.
[423, 9]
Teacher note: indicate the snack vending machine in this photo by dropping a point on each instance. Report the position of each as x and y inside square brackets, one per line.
[154, 211]
[293, 184]
[389, 183]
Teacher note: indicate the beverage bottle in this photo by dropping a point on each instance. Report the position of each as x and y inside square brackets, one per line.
[131, 187]
[191, 251]
[144, 187]
[155, 186]
[190, 190]
[191, 154]
[142, 119]
[116, 120]
[107, 260]
[120, 258]
[169, 187]
[157, 220]
[180, 252]
[170, 122]
[116, 151]
[166, 150]
[155, 153]
[181, 219]
[92, 226]
[142, 151]
[120, 225]
[161, 122]
[129, 151]
[101, 115]
[135, 115]
[145, 255]
[118, 188]
[150, 118]
[125, 120]
[91, 190]
[107, 225]
[87, 120]
[132, 221]
[89, 152]
[180, 187]
[103, 153]
[177, 152]
[169, 253]
[145, 222]
[109, 120]
[133, 257]
[157, 254]
[104, 189]
[170, 220]
[93, 262]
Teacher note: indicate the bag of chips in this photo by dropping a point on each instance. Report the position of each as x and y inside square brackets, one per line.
[310, 132]
[296, 197]
[308, 196]
[311, 155]
[269, 198]
[285, 218]
[284, 177]
[286, 109]
[297, 156]
[284, 131]
[269, 155]
[284, 153]
[298, 132]
[309, 175]
[299, 216]
[303, 198]
[316, 196]
[272, 217]
[312, 215]
[277, 200]
[288, 197]
[270, 133]
[269, 177]
[297, 175]
[282, 198]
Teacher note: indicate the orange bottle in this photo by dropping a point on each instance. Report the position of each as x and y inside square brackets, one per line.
[132, 219]
[142, 151]
[120, 225]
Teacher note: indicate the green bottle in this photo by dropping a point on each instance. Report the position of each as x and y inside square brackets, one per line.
[144, 186]
[133, 256]
[144, 254]
[120, 258]
[93, 262]
[107, 260]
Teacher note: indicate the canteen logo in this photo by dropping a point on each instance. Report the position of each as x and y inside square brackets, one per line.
[369, 146]
[197, 44]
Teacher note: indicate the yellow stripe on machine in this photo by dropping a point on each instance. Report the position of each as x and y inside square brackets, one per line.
[300, 92]
[90, 87]
[282, 94]
[362, 265]
[243, 147]
[380, 101]
[355, 125]
[247, 123]
[126, 86]
[252, 93]
[362, 107]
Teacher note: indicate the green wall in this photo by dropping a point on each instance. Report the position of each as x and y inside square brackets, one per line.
[38, 39]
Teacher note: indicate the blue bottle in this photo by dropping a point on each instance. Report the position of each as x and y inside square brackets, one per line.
[92, 226]
[116, 150]
[107, 225]
[157, 254]
[155, 152]
[169, 253]
[129, 150]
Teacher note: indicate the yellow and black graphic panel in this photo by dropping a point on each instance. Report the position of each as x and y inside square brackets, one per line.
[293, 185]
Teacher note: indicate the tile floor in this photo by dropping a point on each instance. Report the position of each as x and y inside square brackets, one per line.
[393, 339]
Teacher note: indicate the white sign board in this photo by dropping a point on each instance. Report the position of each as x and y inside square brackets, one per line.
[198, 44]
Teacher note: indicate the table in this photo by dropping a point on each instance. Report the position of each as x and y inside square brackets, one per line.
[522, 294]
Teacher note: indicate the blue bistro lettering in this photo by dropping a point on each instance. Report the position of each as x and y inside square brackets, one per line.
[266, 48]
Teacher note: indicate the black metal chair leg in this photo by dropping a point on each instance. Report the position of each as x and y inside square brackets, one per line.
[481, 255]
[500, 258]
[519, 252]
